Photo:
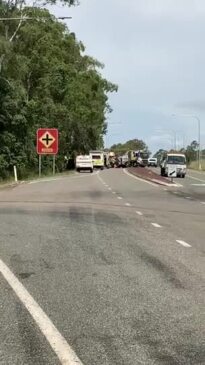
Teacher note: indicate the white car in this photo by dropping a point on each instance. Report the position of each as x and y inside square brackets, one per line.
[84, 163]
[152, 161]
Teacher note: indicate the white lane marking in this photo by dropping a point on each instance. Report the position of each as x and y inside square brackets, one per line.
[202, 202]
[114, 192]
[196, 178]
[156, 225]
[183, 243]
[138, 178]
[119, 197]
[188, 197]
[128, 204]
[44, 180]
[109, 189]
[175, 192]
[165, 189]
[139, 213]
[198, 185]
[58, 343]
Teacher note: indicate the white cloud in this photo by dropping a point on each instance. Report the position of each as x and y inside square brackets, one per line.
[154, 50]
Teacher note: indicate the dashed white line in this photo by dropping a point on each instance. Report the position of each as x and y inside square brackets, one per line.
[202, 202]
[188, 197]
[109, 189]
[156, 225]
[139, 213]
[183, 243]
[58, 343]
[128, 204]
[114, 192]
[119, 197]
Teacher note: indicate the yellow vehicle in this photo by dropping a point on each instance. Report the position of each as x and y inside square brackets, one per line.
[132, 158]
[98, 159]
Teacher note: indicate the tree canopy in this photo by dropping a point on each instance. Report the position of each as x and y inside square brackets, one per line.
[133, 144]
[47, 80]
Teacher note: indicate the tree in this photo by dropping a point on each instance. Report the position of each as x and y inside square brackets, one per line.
[192, 151]
[47, 80]
[133, 144]
[160, 154]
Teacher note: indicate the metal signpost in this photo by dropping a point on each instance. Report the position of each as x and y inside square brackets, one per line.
[172, 172]
[47, 144]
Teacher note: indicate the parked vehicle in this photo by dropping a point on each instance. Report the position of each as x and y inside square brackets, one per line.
[122, 161]
[138, 158]
[132, 158]
[152, 161]
[84, 163]
[177, 160]
[97, 159]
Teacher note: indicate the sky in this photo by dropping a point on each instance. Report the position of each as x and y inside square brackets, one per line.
[154, 51]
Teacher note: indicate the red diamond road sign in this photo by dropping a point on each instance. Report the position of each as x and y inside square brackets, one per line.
[47, 141]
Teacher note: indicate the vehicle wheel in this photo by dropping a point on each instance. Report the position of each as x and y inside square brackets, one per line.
[91, 171]
[162, 172]
[183, 176]
[102, 168]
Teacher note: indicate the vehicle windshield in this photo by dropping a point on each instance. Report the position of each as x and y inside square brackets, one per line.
[96, 157]
[176, 160]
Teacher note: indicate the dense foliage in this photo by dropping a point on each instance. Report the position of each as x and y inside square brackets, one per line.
[46, 80]
[133, 144]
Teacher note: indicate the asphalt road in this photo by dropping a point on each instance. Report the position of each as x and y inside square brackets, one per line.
[116, 267]
[193, 186]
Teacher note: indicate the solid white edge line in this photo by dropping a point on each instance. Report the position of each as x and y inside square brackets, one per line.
[138, 178]
[183, 243]
[156, 225]
[139, 213]
[57, 342]
[196, 178]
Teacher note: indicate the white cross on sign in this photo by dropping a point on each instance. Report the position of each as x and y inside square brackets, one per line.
[172, 171]
[47, 139]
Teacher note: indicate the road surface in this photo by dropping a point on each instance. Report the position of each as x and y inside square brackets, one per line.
[101, 269]
[192, 187]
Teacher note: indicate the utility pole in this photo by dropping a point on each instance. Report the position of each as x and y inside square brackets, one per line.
[199, 133]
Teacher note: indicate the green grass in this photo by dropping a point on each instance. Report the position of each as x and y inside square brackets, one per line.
[195, 166]
[34, 176]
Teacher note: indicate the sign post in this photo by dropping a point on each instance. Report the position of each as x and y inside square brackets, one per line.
[39, 165]
[54, 164]
[47, 144]
[172, 172]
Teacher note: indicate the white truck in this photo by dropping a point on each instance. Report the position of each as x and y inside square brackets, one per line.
[175, 161]
[84, 163]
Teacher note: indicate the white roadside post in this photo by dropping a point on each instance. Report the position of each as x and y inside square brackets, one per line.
[15, 174]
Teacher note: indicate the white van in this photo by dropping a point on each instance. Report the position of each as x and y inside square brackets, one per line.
[83, 163]
[98, 159]
[177, 160]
